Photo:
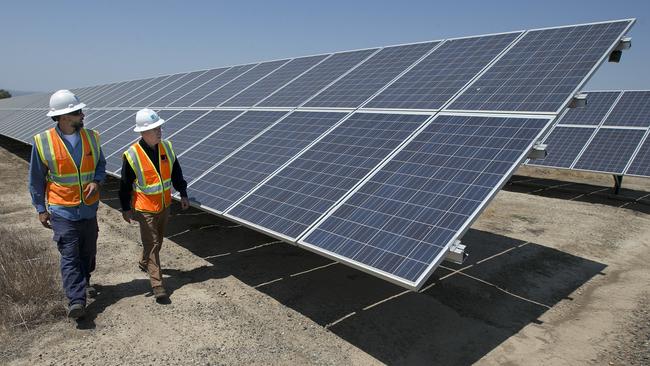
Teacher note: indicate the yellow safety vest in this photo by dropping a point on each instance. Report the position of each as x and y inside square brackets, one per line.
[65, 181]
[151, 191]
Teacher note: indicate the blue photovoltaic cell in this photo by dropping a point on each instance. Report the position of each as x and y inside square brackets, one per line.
[295, 197]
[186, 88]
[442, 74]
[149, 87]
[224, 141]
[240, 173]
[564, 145]
[272, 82]
[632, 110]
[610, 150]
[598, 104]
[24, 120]
[168, 86]
[301, 89]
[542, 70]
[360, 84]
[174, 121]
[126, 88]
[212, 85]
[235, 86]
[641, 164]
[138, 98]
[401, 221]
[110, 119]
[203, 127]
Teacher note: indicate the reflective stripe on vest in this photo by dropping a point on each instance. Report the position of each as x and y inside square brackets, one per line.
[66, 181]
[151, 189]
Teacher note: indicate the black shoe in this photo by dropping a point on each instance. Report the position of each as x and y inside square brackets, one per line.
[159, 292]
[76, 311]
[91, 291]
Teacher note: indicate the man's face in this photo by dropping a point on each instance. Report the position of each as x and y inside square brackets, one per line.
[75, 119]
[153, 136]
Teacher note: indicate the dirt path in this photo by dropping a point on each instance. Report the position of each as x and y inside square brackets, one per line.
[549, 281]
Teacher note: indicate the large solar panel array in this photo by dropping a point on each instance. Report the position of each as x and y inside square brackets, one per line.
[379, 158]
[608, 135]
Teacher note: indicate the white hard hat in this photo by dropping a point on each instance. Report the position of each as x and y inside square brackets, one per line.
[146, 119]
[64, 102]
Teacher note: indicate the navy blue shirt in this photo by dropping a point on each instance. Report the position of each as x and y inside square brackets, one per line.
[38, 172]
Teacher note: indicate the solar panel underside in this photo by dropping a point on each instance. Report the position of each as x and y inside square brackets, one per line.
[296, 196]
[401, 222]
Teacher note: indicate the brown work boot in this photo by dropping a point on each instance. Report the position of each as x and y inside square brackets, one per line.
[159, 292]
[76, 311]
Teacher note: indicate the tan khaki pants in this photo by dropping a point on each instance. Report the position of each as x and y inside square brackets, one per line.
[152, 230]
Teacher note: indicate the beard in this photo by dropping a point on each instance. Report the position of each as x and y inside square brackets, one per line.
[78, 125]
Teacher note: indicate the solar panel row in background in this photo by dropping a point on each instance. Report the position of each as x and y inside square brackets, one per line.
[609, 135]
[379, 158]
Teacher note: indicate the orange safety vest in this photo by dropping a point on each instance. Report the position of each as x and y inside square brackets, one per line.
[65, 181]
[151, 191]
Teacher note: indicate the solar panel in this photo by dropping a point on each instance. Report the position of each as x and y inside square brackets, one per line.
[210, 86]
[632, 110]
[360, 84]
[299, 90]
[231, 179]
[564, 145]
[610, 150]
[275, 80]
[158, 92]
[401, 222]
[188, 87]
[238, 84]
[223, 141]
[201, 128]
[641, 164]
[598, 104]
[437, 78]
[297, 195]
[385, 191]
[542, 70]
[174, 121]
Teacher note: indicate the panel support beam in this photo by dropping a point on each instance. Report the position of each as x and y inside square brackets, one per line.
[618, 181]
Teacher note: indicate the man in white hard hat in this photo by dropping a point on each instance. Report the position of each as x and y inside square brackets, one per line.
[66, 168]
[149, 170]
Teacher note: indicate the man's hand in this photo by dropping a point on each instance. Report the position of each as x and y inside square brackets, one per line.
[91, 189]
[44, 218]
[127, 216]
[185, 203]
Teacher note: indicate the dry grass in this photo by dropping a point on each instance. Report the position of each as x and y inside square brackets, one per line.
[30, 289]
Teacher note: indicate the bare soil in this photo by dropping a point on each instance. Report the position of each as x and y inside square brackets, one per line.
[558, 274]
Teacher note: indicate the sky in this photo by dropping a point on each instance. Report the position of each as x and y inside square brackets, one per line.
[50, 45]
